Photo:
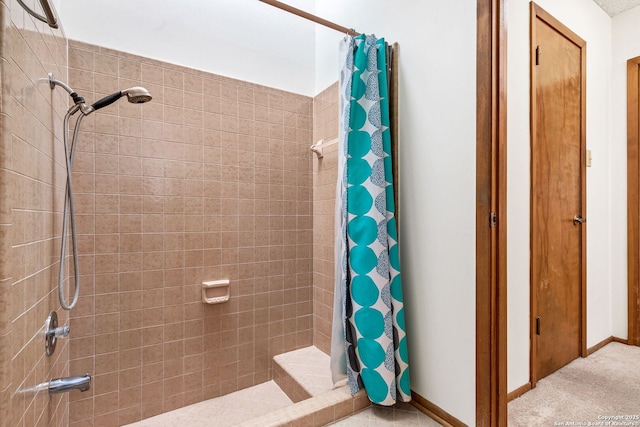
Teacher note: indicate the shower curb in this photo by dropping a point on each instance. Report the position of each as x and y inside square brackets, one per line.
[316, 411]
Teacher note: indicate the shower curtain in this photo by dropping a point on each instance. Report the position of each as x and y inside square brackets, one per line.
[369, 343]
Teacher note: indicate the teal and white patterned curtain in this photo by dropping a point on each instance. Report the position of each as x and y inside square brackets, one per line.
[369, 343]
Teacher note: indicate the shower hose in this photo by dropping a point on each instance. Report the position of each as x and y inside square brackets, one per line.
[69, 213]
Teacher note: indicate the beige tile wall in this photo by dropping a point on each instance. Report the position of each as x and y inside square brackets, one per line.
[210, 180]
[325, 126]
[31, 192]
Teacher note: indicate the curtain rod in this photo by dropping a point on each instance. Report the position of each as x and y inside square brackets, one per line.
[311, 17]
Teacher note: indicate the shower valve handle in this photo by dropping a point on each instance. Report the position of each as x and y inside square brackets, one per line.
[59, 332]
[52, 332]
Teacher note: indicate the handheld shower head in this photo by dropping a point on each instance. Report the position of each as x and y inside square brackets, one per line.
[135, 95]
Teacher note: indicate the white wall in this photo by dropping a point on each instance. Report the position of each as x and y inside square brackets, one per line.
[243, 39]
[437, 178]
[626, 45]
[592, 24]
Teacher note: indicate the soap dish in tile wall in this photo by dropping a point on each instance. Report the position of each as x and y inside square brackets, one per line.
[215, 291]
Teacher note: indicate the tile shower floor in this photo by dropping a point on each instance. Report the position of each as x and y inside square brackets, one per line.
[227, 410]
[257, 401]
[244, 405]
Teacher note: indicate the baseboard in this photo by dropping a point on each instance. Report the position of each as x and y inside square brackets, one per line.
[604, 342]
[598, 346]
[518, 392]
[435, 411]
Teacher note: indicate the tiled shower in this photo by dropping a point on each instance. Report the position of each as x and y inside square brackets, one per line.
[211, 180]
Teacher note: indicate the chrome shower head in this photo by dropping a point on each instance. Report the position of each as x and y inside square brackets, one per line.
[137, 95]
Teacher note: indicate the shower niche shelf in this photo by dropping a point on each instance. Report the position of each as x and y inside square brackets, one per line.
[215, 291]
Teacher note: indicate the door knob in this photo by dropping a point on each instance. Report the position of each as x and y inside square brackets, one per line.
[577, 219]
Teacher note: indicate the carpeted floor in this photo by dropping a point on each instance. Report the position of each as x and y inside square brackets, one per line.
[602, 389]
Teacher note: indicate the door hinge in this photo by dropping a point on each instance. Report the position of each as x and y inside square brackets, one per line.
[537, 55]
[538, 325]
[493, 219]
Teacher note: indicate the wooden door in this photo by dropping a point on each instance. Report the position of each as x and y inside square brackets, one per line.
[558, 196]
[633, 199]
[491, 216]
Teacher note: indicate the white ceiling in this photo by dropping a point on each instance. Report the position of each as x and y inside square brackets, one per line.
[614, 7]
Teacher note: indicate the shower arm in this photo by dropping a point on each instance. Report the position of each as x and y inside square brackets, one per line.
[77, 99]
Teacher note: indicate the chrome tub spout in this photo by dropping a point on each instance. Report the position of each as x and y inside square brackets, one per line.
[66, 384]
